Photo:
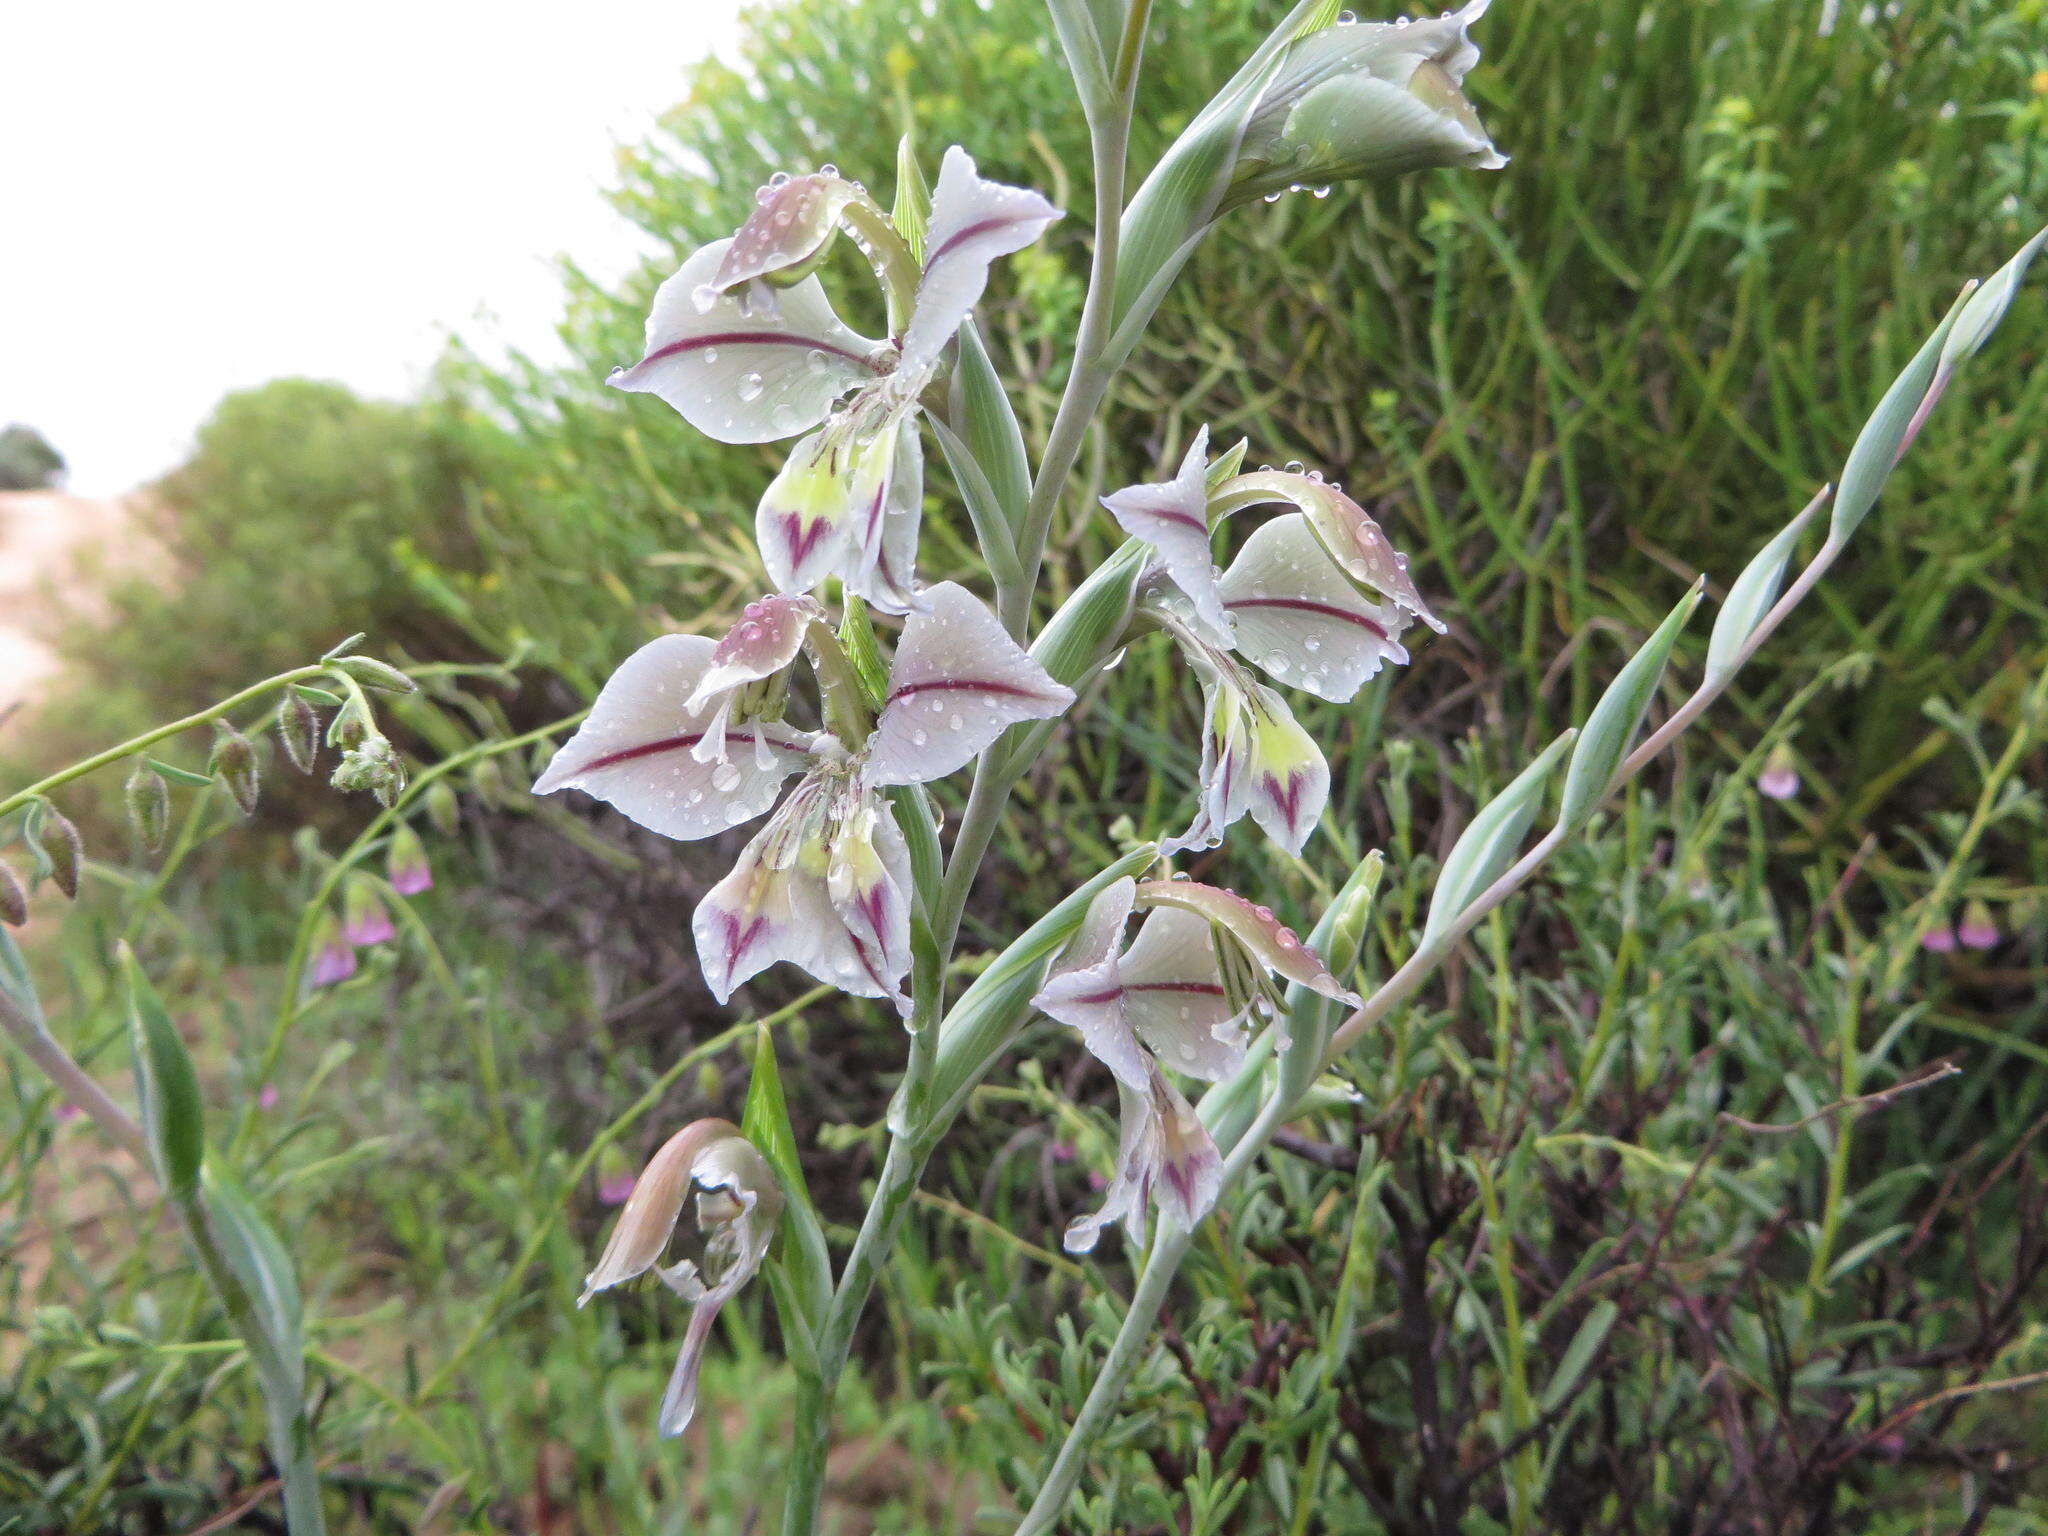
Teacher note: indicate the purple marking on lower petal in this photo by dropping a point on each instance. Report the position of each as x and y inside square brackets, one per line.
[1306, 605]
[1287, 797]
[802, 539]
[1171, 515]
[666, 744]
[744, 339]
[738, 941]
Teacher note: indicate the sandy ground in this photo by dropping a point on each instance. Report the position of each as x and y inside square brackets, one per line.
[41, 535]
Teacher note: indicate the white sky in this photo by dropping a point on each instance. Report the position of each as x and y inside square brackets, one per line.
[196, 197]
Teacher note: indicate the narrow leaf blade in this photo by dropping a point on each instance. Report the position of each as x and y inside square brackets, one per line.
[1604, 739]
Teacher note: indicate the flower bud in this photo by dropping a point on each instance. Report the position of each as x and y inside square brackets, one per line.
[13, 899]
[351, 725]
[64, 848]
[1366, 99]
[234, 764]
[149, 805]
[374, 766]
[372, 673]
[443, 809]
[298, 727]
[1780, 778]
[405, 863]
[364, 918]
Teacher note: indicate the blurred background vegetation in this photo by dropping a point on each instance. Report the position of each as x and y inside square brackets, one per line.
[1536, 1278]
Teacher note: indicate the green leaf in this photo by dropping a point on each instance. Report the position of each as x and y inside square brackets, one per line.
[984, 509]
[16, 981]
[1490, 840]
[179, 775]
[988, 425]
[1605, 738]
[857, 638]
[1579, 1353]
[765, 1122]
[1750, 598]
[921, 833]
[263, 1265]
[913, 207]
[1883, 438]
[173, 1117]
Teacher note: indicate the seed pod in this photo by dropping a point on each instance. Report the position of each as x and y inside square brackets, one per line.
[64, 848]
[149, 805]
[234, 763]
[298, 727]
[13, 899]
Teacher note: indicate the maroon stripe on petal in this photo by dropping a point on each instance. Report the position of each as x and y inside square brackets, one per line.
[971, 232]
[666, 744]
[1202, 988]
[744, 339]
[1172, 515]
[1306, 605]
[966, 685]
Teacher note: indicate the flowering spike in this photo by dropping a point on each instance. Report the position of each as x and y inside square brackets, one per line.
[973, 222]
[634, 748]
[959, 681]
[1300, 618]
[745, 372]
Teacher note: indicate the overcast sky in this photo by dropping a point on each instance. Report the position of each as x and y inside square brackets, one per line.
[197, 197]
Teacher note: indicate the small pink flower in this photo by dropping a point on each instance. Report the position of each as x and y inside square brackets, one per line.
[333, 959]
[614, 1188]
[267, 1097]
[406, 863]
[1939, 940]
[1063, 1152]
[1780, 779]
[364, 920]
[67, 1112]
[1977, 930]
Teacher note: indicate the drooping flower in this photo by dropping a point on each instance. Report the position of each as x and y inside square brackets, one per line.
[334, 958]
[739, 1200]
[825, 883]
[1978, 929]
[743, 342]
[364, 918]
[405, 863]
[1205, 965]
[1290, 603]
[1367, 99]
[1780, 778]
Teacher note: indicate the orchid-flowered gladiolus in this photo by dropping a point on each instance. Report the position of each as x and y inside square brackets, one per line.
[743, 342]
[1362, 99]
[1206, 964]
[825, 883]
[739, 1201]
[1291, 604]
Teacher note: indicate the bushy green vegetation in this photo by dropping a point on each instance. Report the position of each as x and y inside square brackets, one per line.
[1591, 1240]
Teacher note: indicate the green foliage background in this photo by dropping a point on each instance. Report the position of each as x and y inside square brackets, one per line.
[1566, 388]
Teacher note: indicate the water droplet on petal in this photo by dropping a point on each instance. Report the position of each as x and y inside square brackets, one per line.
[703, 296]
[750, 387]
[725, 777]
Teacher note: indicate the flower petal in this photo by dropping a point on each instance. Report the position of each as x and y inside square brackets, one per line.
[1287, 779]
[1174, 995]
[972, 223]
[633, 750]
[1173, 517]
[745, 372]
[1271, 942]
[806, 517]
[1224, 793]
[1189, 1173]
[868, 881]
[652, 1209]
[766, 639]
[887, 576]
[793, 219]
[1102, 927]
[958, 682]
[1137, 1157]
[1091, 1000]
[1301, 619]
[1350, 536]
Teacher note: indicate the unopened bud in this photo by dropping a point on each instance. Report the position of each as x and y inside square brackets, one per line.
[149, 805]
[372, 673]
[64, 848]
[405, 863]
[351, 726]
[298, 727]
[710, 1080]
[443, 809]
[13, 898]
[375, 766]
[234, 764]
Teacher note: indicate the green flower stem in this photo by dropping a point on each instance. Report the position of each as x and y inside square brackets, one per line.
[150, 738]
[77, 1084]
